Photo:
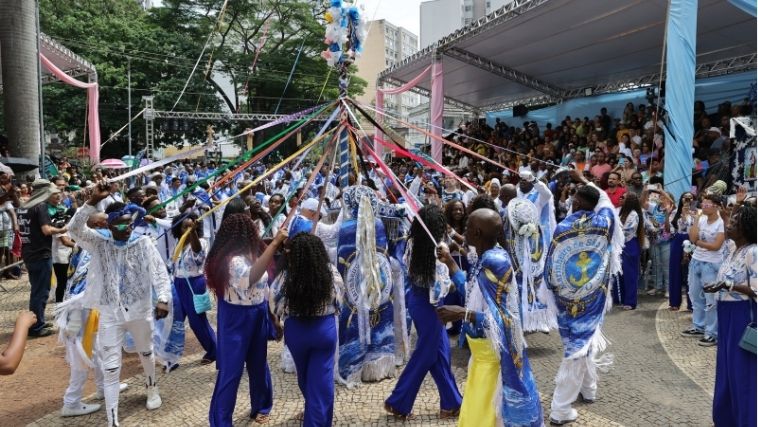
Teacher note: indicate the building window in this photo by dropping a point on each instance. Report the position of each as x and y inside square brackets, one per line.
[467, 8]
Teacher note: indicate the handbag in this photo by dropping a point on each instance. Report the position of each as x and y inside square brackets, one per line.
[747, 341]
[202, 302]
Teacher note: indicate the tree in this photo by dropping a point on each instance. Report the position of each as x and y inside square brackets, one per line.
[161, 47]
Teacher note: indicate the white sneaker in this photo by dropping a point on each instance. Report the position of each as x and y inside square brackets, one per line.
[81, 409]
[153, 398]
[100, 396]
[559, 421]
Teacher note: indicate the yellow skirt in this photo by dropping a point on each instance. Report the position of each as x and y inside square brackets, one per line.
[477, 409]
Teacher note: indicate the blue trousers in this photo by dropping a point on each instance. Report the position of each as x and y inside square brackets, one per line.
[703, 304]
[39, 279]
[630, 268]
[734, 396]
[313, 344]
[677, 279]
[242, 333]
[431, 355]
[184, 308]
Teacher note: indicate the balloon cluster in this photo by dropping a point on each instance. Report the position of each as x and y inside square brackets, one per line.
[343, 24]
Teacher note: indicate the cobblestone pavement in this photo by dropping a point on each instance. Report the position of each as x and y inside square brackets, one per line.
[658, 378]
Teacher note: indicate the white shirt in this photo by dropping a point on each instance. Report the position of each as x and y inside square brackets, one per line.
[122, 277]
[61, 252]
[239, 291]
[112, 198]
[160, 234]
[630, 225]
[739, 268]
[707, 233]
[190, 263]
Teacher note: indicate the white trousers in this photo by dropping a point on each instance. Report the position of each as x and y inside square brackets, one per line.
[574, 376]
[110, 337]
[73, 395]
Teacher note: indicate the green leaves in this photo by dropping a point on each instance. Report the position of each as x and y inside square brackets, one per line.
[161, 46]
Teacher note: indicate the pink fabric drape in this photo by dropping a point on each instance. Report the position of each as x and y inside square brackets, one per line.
[437, 104]
[93, 95]
[380, 103]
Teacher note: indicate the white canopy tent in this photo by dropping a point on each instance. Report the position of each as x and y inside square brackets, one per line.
[542, 51]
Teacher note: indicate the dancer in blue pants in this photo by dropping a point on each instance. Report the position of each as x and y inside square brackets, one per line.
[307, 294]
[429, 282]
[734, 395]
[237, 275]
[189, 280]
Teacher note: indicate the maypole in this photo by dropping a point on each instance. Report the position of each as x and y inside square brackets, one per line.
[345, 32]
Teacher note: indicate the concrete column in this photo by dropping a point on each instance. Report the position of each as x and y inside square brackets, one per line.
[18, 38]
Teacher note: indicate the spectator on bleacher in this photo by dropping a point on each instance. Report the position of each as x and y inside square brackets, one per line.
[601, 167]
[615, 189]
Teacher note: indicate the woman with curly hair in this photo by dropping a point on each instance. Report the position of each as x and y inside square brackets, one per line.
[307, 295]
[734, 395]
[428, 281]
[235, 270]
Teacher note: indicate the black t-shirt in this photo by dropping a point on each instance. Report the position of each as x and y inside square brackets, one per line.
[35, 246]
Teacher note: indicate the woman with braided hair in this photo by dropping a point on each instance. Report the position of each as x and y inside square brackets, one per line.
[235, 270]
[307, 295]
[428, 281]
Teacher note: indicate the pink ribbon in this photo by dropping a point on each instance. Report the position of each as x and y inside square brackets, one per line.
[93, 118]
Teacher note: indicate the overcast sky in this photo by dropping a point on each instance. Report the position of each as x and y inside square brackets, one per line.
[403, 13]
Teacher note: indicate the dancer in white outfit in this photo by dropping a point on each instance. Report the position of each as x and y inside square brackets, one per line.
[125, 271]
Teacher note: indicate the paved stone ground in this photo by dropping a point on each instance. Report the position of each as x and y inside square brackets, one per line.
[658, 378]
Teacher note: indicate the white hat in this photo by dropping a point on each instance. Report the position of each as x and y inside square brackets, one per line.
[526, 176]
[312, 205]
[715, 129]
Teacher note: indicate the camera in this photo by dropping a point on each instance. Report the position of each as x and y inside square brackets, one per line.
[61, 217]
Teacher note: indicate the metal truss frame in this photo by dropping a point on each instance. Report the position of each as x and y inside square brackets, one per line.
[505, 13]
[709, 69]
[151, 114]
[503, 71]
[82, 68]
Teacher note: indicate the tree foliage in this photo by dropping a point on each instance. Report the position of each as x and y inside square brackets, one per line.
[161, 46]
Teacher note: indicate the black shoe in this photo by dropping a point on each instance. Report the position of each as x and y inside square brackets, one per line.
[692, 332]
[707, 342]
[585, 400]
[44, 332]
[554, 422]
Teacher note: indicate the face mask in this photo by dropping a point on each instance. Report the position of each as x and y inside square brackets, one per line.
[122, 227]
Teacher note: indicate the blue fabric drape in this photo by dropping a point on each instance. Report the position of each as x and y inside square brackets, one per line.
[680, 95]
[747, 6]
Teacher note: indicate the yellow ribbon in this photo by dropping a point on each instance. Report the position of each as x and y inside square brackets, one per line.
[90, 331]
[183, 239]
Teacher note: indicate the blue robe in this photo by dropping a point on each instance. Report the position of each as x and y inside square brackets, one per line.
[379, 347]
[579, 277]
[520, 404]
